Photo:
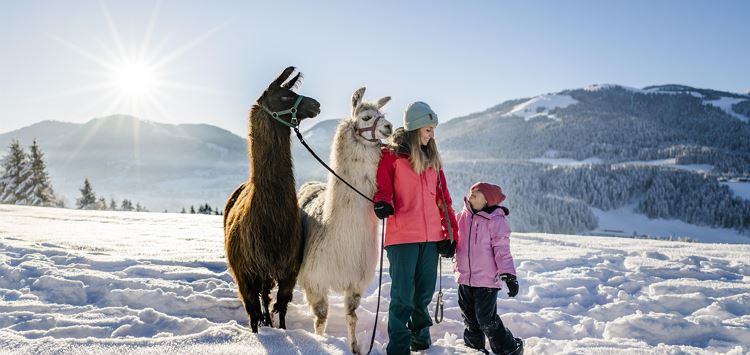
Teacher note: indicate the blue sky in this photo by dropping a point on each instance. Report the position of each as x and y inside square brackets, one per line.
[60, 58]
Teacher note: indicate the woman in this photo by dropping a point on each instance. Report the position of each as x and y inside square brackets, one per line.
[412, 189]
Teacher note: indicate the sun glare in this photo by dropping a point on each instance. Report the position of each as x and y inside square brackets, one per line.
[134, 79]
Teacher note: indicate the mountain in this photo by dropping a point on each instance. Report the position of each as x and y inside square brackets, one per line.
[319, 137]
[160, 165]
[670, 160]
[571, 158]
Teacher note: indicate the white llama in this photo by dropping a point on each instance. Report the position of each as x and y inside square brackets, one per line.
[340, 227]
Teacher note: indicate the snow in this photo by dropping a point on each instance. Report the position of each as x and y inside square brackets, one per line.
[566, 161]
[626, 222]
[95, 282]
[549, 159]
[671, 162]
[725, 103]
[740, 189]
[540, 106]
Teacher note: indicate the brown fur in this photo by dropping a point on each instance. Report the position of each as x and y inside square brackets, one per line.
[263, 240]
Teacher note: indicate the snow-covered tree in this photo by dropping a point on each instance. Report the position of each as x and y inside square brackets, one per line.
[14, 183]
[126, 205]
[205, 209]
[112, 204]
[40, 192]
[101, 204]
[87, 201]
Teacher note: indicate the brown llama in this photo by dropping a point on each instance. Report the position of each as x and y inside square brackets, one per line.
[262, 236]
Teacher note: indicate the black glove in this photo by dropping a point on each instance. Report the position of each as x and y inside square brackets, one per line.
[383, 209]
[446, 248]
[512, 283]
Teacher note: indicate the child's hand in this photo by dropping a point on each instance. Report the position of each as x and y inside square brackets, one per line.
[512, 283]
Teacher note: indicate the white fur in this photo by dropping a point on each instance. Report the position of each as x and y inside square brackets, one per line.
[340, 227]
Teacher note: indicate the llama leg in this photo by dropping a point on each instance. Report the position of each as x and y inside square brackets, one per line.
[265, 295]
[319, 305]
[350, 307]
[283, 297]
[249, 291]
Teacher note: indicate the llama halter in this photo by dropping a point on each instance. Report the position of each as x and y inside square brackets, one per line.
[370, 129]
[293, 121]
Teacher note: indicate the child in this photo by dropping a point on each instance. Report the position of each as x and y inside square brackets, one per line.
[482, 260]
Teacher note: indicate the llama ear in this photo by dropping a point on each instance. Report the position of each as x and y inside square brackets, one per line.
[357, 98]
[382, 102]
[283, 76]
[295, 84]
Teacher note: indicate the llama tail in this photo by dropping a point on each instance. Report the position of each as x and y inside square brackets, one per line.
[232, 199]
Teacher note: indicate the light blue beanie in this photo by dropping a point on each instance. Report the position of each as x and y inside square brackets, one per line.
[419, 114]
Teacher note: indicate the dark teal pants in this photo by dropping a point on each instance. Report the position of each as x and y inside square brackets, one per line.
[413, 270]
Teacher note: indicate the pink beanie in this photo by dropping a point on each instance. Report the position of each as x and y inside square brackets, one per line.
[493, 193]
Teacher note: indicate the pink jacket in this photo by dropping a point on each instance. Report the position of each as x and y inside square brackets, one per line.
[483, 247]
[415, 200]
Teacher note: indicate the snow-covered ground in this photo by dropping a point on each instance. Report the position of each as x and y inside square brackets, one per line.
[549, 159]
[93, 282]
[626, 222]
[740, 189]
[566, 161]
[671, 162]
[725, 103]
[540, 106]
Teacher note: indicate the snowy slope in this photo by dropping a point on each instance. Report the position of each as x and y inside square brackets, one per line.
[541, 106]
[90, 282]
[740, 189]
[671, 162]
[626, 221]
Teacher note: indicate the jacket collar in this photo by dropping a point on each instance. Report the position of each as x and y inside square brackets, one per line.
[483, 213]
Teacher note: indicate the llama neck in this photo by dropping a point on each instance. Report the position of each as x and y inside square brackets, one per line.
[269, 149]
[354, 160]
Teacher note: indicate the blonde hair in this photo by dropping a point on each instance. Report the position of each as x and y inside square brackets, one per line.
[421, 157]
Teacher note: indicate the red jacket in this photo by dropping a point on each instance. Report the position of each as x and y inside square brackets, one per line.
[415, 200]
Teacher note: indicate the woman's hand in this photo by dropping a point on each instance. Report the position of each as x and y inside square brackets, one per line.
[383, 209]
[446, 248]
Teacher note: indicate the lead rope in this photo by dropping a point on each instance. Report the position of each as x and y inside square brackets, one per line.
[380, 282]
[439, 306]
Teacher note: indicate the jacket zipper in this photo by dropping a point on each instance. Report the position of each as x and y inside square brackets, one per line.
[424, 216]
[470, 228]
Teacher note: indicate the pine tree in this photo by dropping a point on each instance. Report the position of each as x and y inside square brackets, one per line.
[13, 183]
[101, 204]
[126, 205]
[87, 201]
[192, 209]
[183, 210]
[112, 204]
[40, 191]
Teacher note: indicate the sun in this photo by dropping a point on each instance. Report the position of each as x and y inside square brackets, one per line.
[134, 79]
